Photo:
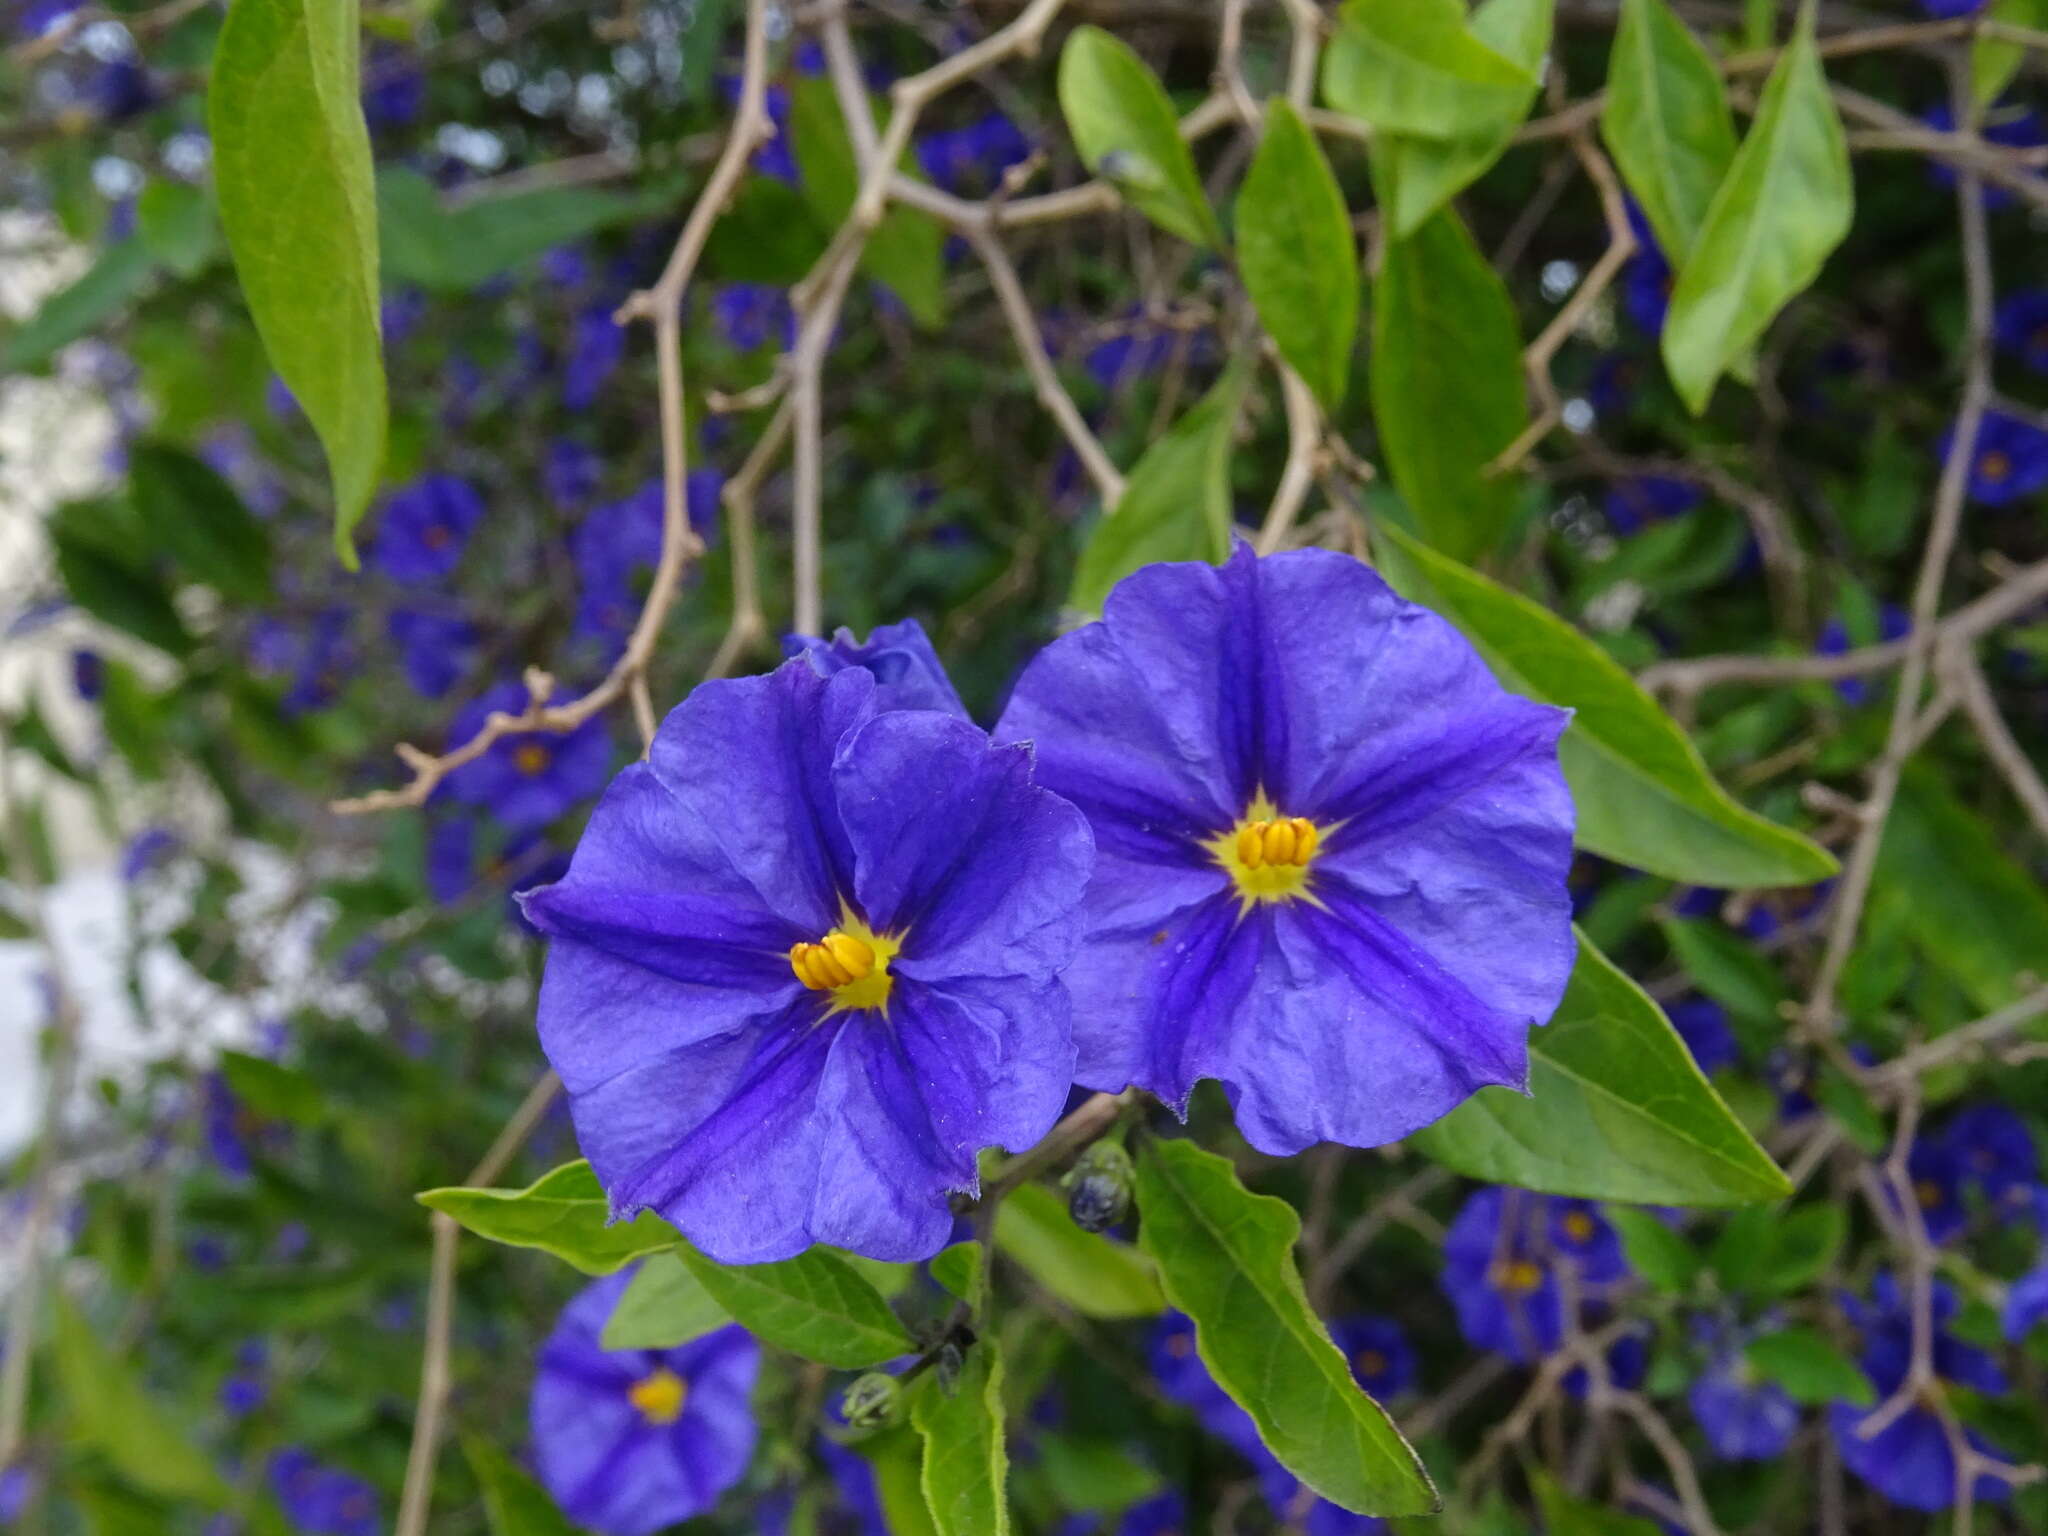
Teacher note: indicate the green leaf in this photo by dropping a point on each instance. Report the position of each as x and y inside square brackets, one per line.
[1666, 122]
[424, 241]
[1098, 1476]
[1785, 203]
[1995, 60]
[143, 1440]
[291, 164]
[103, 292]
[897, 1457]
[1297, 255]
[1643, 792]
[906, 251]
[958, 1269]
[178, 226]
[1418, 175]
[1728, 969]
[1809, 1368]
[272, 1090]
[768, 235]
[1564, 1515]
[1967, 905]
[194, 517]
[1616, 1110]
[1656, 1250]
[1226, 1257]
[1447, 385]
[1773, 1251]
[564, 1214]
[514, 1504]
[1128, 134]
[1413, 66]
[1176, 505]
[110, 589]
[664, 1306]
[966, 1463]
[815, 1305]
[1095, 1275]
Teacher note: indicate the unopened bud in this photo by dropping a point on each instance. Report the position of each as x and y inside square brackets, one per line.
[872, 1402]
[1099, 1187]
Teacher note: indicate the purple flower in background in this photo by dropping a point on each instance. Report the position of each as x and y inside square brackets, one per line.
[16, 1484]
[1703, 1025]
[1616, 385]
[1332, 850]
[619, 544]
[1992, 1149]
[570, 473]
[1501, 1260]
[461, 856]
[1743, 1417]
[244, 1390]
[565, 266]
[2026, 1303]
[230, 1127]
[400, 315]
[971, 160]
[632, 1441]
[806, 966]
[1910, 1461]
[2022, 326]
[423, 528]
[1893, 623]
[394, 89]
[1138, 347]
[315, 655]
[527, 779]
[436, 650]
[120, 89]
[908, 673]
[750, 315]
[1381, 1357]
[775, 157]
[597, 344]
[1937, 1178]
[88, 674]
[1633, 505]
[1646, 280]
[2006, 124]
[1164, 1514]
[32, 18]
[1944, 9]
[322, 1500]
[232, 453]
[2011, 459]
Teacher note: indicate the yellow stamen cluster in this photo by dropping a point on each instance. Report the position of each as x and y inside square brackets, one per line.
[659, 1395]
[1369, 1362]
[1578, 1226]
[1994, 466]
[1518, 1276]
[1267, 855]
[1276, 842]
[1928, 1193]
[834, 961]
[531, 758]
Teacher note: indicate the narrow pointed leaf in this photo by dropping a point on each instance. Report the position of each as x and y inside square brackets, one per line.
[115, 277]
[1297, 254]
[1666, 121]
[1128, 134]
[1784, 205]
[1616, 1110]
[514, 1504]
[1095, 1275]
[563, 1213]
[664, 1306]
[291, 164]
[815, 1305]
[1447, 385]
[1226, 1257]
[966, 1462]
[1643, 792]
[1413, 66]
[143, 1439]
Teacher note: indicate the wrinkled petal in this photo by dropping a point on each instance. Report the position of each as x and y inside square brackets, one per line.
[907, 671]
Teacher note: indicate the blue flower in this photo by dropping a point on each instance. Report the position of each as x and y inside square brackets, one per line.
[435, 650]
[750, 315]
[1893, 623]
[1743, 1417]
[423, 528]
[1703, 1025]
[2007, 125]
[1937, 1177]
[1910, 1461]
[230, 1127]
[597, 345]
[1634, 504]
[1332, 850]
[908, 673]
[147, 849]
[1646, 280]
[394, 89]
[1501, 1260]
[16, 1484]
[1993, 1149]
[2022, 326]
[1944, 9]
[528, 779]
[619, 543]
[316, 656]
[458, 863]
[322, 1500]
[1381, 1357]
[570, 473]
[1618, 381]
[88, 674]
[971, 160]
[806, 966]
[632, 1441]
[2026, 1303]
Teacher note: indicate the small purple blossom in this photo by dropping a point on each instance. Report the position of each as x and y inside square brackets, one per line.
[2006, 124]
[321, 1500]
[145, 851]
[314, 655]
[1332, 850]
[806, 966]
[597, 345]
[629, 1442]
[1646, 280]
[1502, 1256]
[1743, 1417]
[529, 778]
[908, 673]
[618, 545]
[2010, 461]
[88, 674]
[435, 650]
[970, 160]
[1994, 1151]
[424, 527]
[751, 315]
[2022, 327]
[1633, 505]
[1702, 1024]
[570, 473]
[2026, 1302]
[1893, 623]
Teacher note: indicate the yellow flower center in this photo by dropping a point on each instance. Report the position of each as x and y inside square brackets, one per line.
[1518, 1276]
[659, 1395]
[531, 758]
[1928, 1193]
[1994, 466]
[851, 962]
[1369, 1362]
[1578, 1226]
[1267, 855]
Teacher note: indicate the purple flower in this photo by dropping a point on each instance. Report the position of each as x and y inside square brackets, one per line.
[436, 650]
[424, 526]
[1993, 1149]
[596, 347]
[322, 1500]
[145, 850]
[2010, 461]
[1703, 1025]
[1332, 850]
[632, 1441]
[88, 674]
[1633, 505]
[618, 543]
[457, 864]
[1743, 1417]
[750, 315]
[2010, 126]
[120, 89]
[2026, 1303]
[316, 655]
[1893, 623]
[565, 266]
[1646, 280]
[230, 1127]
[1164, 1514]
[1381, 1357]
[1137, 348]
[527, 779]
[394, 89]
[2022, 326]
[860, 1497]
[1944, 9]
[570, 473]
[1937, 1177]
[1501, 1260]
[1617, 383]
[908, 673]
[971, 160]
[16, 1484]
[1910, 1461]
[806, 965]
